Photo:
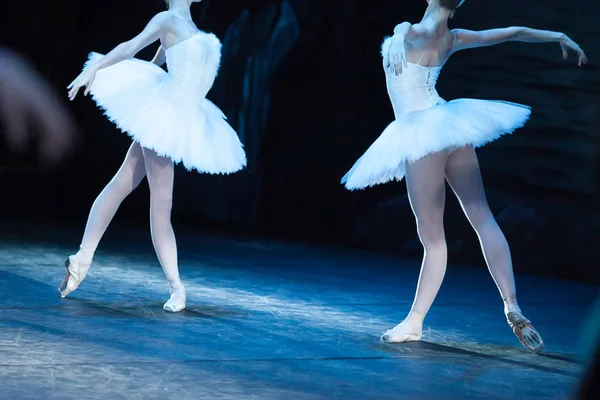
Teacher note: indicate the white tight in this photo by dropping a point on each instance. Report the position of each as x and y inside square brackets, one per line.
[426, 190]
[139, 162]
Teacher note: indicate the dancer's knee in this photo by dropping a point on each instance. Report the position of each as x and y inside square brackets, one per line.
[480, 216]
[119, 188]
[431, 234]
[161, 202]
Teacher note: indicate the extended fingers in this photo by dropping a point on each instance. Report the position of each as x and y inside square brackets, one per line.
[73, 83]
[394, 65]
[73, 88]
[88, 87]
[583, 58]
[73, 92]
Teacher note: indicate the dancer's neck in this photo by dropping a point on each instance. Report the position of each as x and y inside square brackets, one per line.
[436, 19]
[180, 7]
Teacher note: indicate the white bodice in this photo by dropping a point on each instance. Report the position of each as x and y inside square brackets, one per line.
[193, 64]
[414, 89]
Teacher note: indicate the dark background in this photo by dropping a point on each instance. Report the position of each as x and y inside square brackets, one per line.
[301, 82]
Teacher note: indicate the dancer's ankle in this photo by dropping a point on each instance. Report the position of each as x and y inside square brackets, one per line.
[511, 305]
[176, 284]
[84, 256]
[415, 316]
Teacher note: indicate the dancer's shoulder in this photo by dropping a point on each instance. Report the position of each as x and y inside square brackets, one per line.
[411, 32]
[164, 19]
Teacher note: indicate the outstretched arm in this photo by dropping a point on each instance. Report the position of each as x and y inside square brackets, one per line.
[160, 57]
[465, 39]
[151, 33]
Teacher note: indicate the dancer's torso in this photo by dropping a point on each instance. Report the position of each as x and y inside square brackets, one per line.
[415, 88]
[193, 63]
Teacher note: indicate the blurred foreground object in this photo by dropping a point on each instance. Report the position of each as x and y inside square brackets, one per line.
[30, 110]
[590, 384]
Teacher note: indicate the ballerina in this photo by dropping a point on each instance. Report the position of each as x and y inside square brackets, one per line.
[169, 120]
[432, 141]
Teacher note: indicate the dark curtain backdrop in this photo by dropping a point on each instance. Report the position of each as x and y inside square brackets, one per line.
[302, 83]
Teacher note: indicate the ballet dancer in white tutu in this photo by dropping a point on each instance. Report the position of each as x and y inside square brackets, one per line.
[432, 140]
[170, 121]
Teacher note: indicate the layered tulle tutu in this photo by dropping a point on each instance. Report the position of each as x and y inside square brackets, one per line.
[447, 126]
[425, 123]
[168, 112]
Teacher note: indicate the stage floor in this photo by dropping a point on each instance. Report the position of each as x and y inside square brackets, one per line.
[267, 320]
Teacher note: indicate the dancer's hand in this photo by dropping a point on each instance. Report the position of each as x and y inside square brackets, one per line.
[86, 78]
[567, 44]
[396, 59]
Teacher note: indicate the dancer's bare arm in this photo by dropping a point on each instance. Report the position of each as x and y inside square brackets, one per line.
[465, 39]
[404, 33]
[151, 33]
[160, 57]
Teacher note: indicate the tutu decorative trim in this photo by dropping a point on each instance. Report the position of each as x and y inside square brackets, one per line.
[160, 113]
[455, 124]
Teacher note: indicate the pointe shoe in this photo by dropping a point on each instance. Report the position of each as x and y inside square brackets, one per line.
[525, 331]
[76, 273]
[176, 302]
[405, 331]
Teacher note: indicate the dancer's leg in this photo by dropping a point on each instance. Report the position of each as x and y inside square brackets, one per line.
[465, 180]
[107, 203]
[160, 173]
[426, 191]
[464, 176]
[103, 210]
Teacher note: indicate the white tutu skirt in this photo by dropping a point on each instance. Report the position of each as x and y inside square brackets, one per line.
[444, 127]
[139, 97]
